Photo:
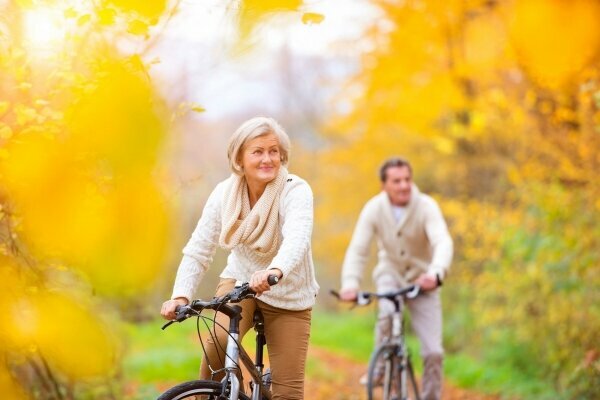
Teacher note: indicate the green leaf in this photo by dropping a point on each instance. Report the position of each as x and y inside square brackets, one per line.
[597, 99]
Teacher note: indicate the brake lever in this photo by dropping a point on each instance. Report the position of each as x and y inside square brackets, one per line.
[363, 299]
[183, 313]
[414, 292]
[240, 293]
[165, 326]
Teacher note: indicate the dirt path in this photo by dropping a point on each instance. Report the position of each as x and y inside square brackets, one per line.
[337, 378]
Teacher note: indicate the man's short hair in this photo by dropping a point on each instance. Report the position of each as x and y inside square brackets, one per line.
[391, 163]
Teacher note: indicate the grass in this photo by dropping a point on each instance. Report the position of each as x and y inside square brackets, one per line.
[350, 333]
[156, 358]
[155, 355]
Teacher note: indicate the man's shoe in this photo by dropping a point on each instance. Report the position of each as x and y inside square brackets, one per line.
[378, 381]
[364, 379]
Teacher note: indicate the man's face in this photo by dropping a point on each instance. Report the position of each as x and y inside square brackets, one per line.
[398, 185]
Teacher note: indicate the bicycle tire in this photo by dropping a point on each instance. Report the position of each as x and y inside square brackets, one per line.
[412, 382]
[391, 387]
[382, 357]
[208, 390]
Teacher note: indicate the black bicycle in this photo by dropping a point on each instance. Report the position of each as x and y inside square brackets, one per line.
[391, 375]
[229, 388]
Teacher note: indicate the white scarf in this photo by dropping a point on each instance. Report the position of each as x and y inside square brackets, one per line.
[257, 228]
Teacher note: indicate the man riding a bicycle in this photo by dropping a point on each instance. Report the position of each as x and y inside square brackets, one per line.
[414, 247]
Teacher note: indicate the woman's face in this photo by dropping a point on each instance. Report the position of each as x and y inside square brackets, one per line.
[261, 159]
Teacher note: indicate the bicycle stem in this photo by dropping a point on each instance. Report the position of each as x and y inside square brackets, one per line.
[231, 365]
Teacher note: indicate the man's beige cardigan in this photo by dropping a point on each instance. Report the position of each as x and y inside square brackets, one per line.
[418, 243]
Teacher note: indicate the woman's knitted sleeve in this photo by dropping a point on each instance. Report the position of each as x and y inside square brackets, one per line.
[297, 211]
[199, 251]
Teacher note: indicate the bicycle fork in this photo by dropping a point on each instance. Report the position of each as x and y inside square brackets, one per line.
[402, 355]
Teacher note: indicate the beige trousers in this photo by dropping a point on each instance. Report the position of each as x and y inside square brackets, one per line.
[425, 314]
[287, 333]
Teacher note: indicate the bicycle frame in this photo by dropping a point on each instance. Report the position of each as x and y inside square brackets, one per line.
[234, 352]
[398, 339]
[395, 346]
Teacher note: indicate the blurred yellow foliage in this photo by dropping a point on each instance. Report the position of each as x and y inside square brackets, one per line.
[10, 389]
[253, 12]
[554, 39]
[80, 139]
[148, 8]
[70, 337]
[495, 104]
[93, 185]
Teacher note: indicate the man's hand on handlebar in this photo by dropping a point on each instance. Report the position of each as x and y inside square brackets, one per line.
[427, 281]
[168, 308]
[348, 294]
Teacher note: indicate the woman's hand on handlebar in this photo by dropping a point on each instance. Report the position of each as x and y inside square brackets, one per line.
[259, 281]
[168, 308]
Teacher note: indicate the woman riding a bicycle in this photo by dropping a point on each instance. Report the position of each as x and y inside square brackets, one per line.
[264, 216]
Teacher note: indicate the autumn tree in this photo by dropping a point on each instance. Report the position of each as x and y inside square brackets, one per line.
[496, 105]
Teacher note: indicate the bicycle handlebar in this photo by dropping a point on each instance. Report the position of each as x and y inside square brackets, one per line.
[238, 294]
[364, 298]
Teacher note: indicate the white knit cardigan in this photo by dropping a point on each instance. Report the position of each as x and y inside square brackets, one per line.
[298, 287]
[419, 243]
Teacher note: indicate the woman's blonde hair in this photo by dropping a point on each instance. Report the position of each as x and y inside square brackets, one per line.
[253, 128]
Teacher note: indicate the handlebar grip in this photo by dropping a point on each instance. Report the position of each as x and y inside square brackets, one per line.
[272, 280]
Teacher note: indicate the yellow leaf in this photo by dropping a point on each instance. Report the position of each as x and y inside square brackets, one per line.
[197, 108]
[84, 19]
[312, 18]
[136, 62]
[25, 86]
[3, 107]
[70, 13]
[25, 3]
[151, 9]
[24, 114]
[5, 131]
[107, 16]
[137, 27]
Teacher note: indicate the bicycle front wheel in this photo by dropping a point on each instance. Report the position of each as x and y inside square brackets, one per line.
[382, 378]
[197, 390]
[388, 379]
